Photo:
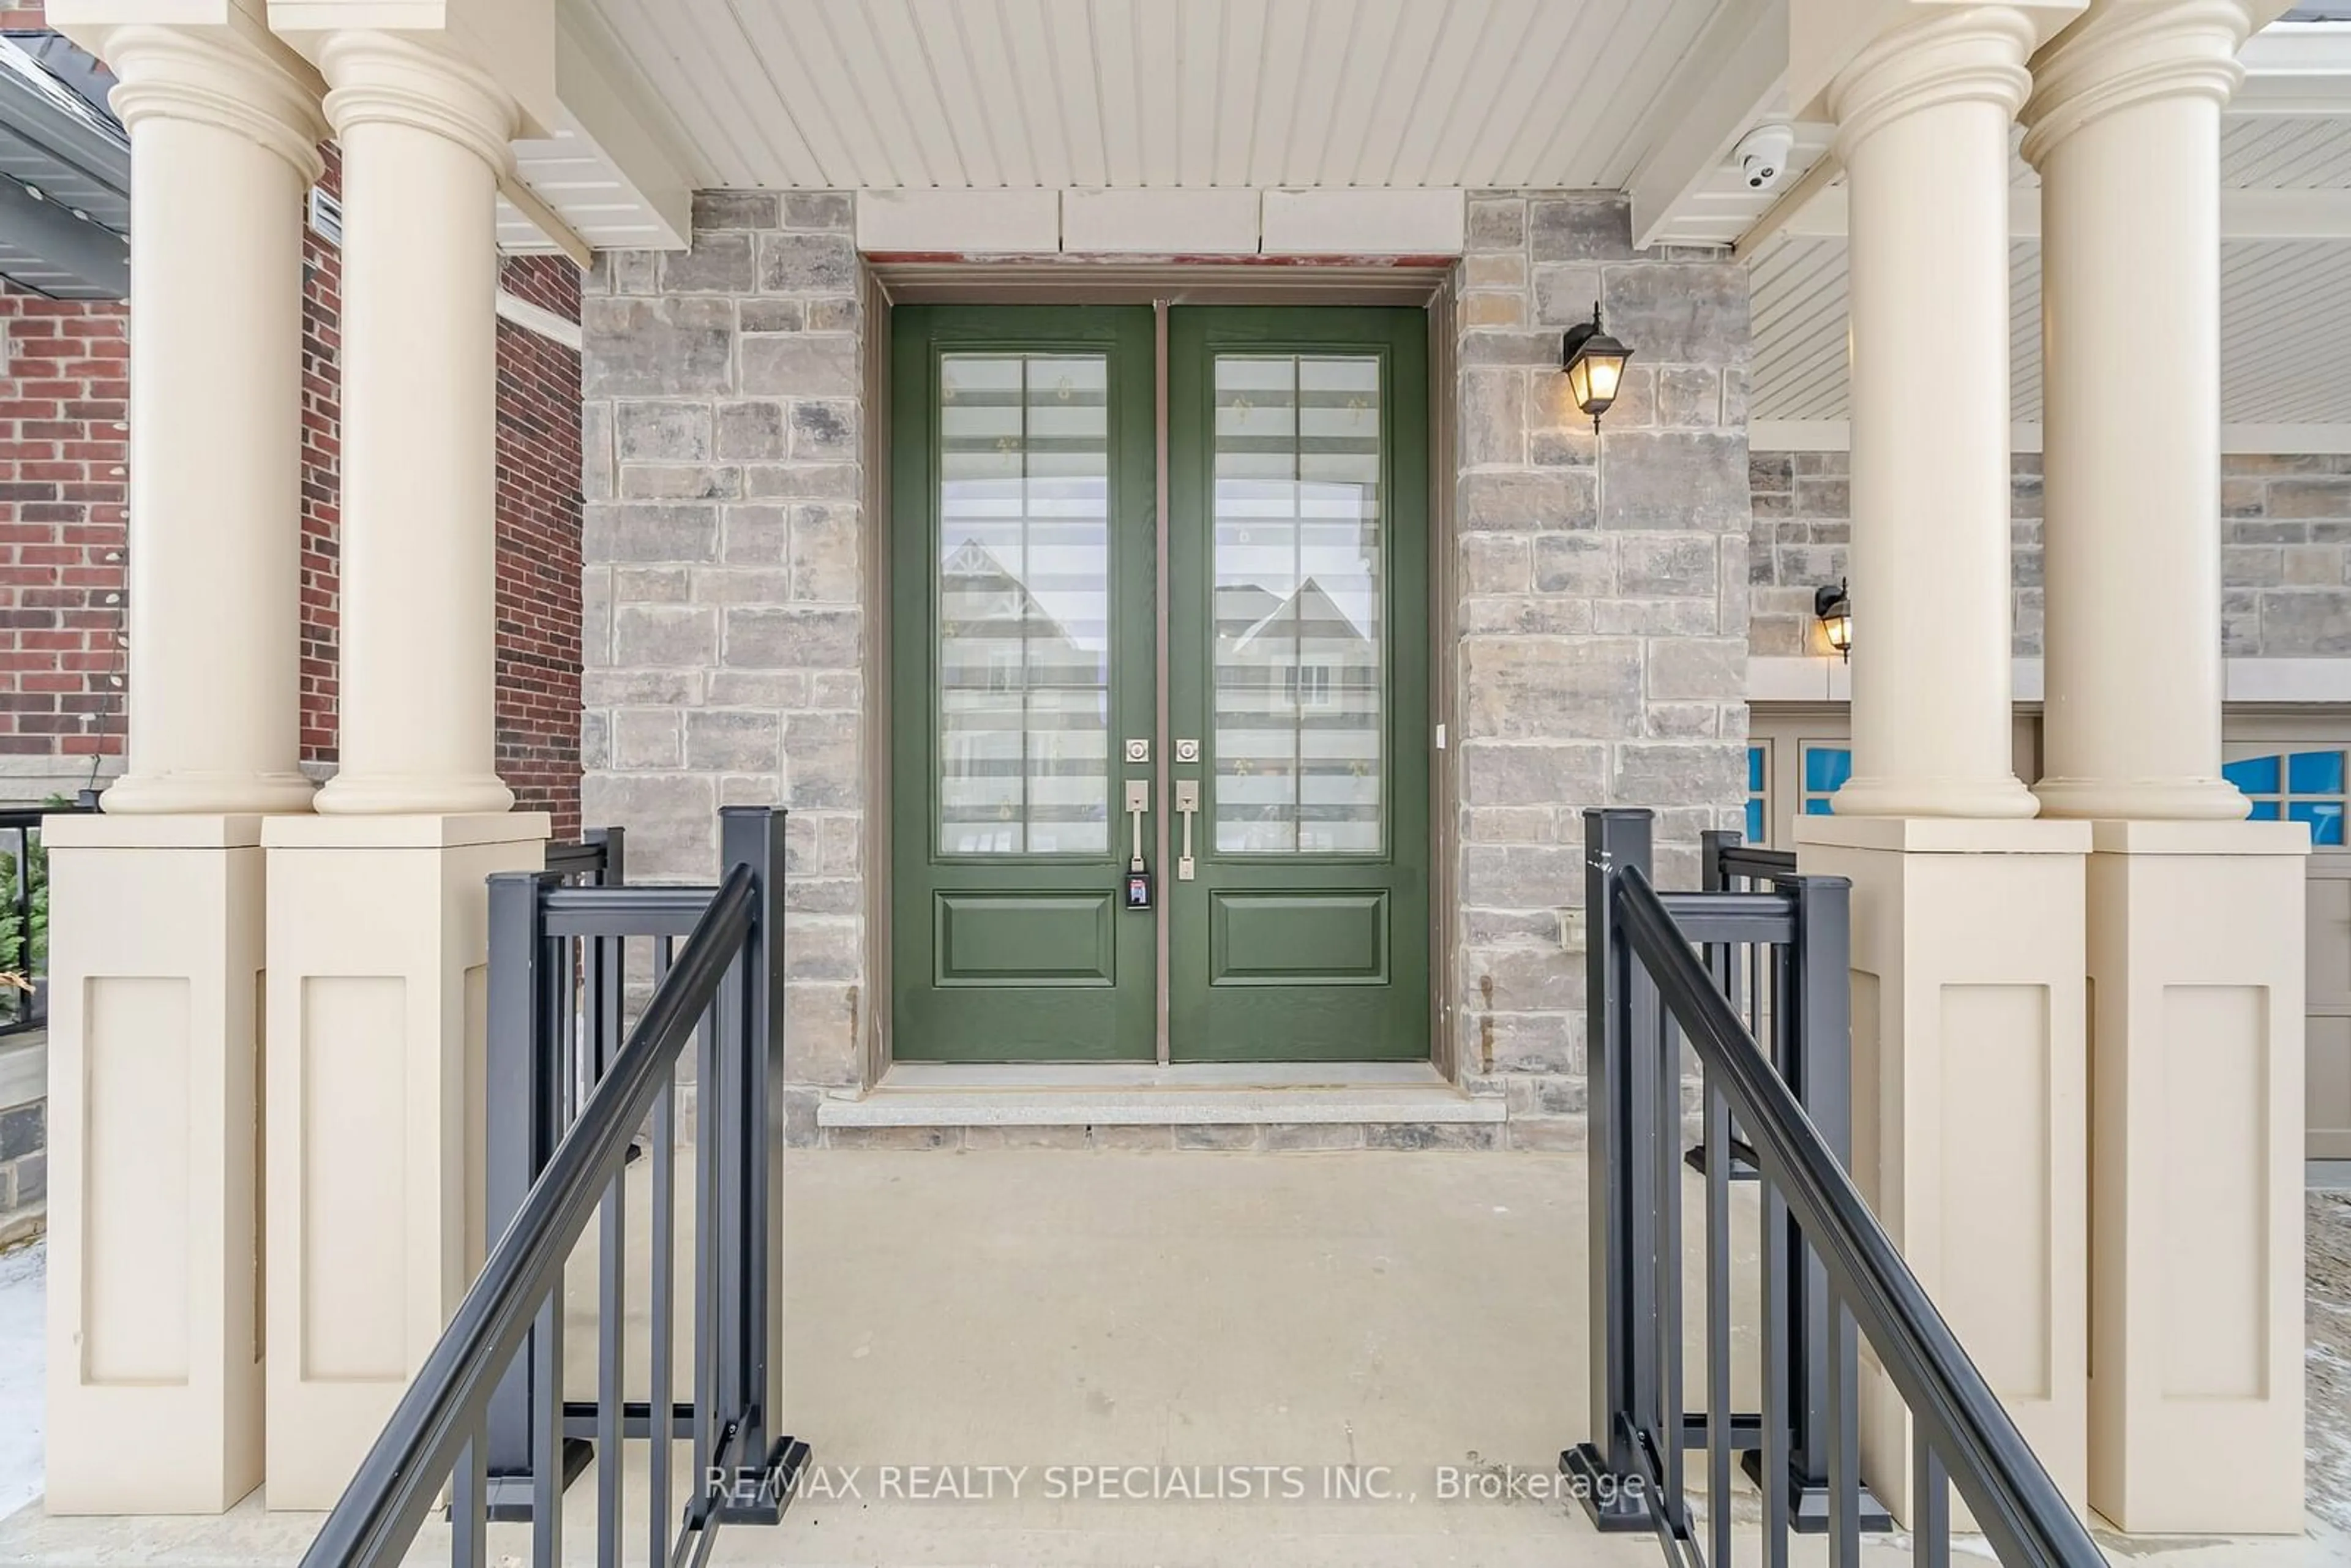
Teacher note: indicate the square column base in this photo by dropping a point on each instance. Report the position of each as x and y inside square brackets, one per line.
[377, 1002]
[154, 1327]
[1969, 1109]
[2196, 938]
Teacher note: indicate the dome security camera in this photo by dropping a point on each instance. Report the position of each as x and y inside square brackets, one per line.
[1763, 155]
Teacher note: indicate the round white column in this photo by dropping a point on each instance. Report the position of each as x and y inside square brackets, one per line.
[223, 144]
[1923, 120]
[2125, 130]
[425, 138]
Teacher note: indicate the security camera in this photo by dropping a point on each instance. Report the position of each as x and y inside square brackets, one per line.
[1763, 155]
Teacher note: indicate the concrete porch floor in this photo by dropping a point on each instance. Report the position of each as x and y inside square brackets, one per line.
[1039, 1308]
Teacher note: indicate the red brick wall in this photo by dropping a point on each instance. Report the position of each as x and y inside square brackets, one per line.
[64, 394]
[538, 547]
[322, 477]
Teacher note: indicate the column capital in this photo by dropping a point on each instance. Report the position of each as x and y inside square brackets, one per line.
[1970, 53]
[214, 77]
[380, 78]
[2125, 52]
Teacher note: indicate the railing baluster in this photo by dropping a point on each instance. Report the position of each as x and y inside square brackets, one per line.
[469, 1507]
[660, 1419]
[547, 1434]
[1775, 1412]
[611, 1455]
[705, 1261]
[1930, 1504]
[1664, 1048]
[1717, 1324]
[1844, 1414]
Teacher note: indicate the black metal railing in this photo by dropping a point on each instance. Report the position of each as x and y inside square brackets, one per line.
[24, 911]
[489, 1412]
[1659, 979]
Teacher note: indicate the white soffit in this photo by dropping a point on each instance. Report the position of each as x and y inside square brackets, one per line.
[608, 173]
[955, 94]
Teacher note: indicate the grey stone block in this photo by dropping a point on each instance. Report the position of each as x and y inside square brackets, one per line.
[1541, 689]
[32, 1179]
[737, 210]
[24, 1130]
[767, 639]
[1689, 396]
[804, 481]
[1565, 296]
[1493, 417]
[719, 263]
[829, 314]
[1584, 226]
[680, 482]
[671, 818]
[1656, 617]
[1680, 314]
[649, 531]
[742, 585]
[720, 741]
[1554, 774]
[799, 263]
[1534, 978]
[654, 348]
[1680, 774]
[1495, 563]
[646, 739]
[824, 429]
[1523, 615]
[821, 947]
[772, 315]
[671, 635]
[1678, 565]
[1692, 669]
[1497, 223]
[1581, 565]
[800, 365]
[642, 688]
[2310, 498]
[818, 210]
[895, 1139]
[1668, 480]
[758, 536]
[751, 432]
[2300, 624]
[824, 763]
[1510, 501]
[1233, 1138]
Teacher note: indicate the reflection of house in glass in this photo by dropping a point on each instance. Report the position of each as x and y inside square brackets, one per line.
[1024, 763]
[1298, 723]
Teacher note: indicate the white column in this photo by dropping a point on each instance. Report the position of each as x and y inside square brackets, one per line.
[1923, 118]
[424, 140]
[156, 920]
[378, 906]
[2196, 927]
[223, 142]
[2125, 132]
[1969, 1054]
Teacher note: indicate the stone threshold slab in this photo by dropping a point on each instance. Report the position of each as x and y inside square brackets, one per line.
[938, 1095]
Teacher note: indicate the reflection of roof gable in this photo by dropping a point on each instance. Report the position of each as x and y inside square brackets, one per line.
[975, 563]
[1308, 611]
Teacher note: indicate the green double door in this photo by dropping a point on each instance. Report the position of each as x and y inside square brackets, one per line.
[1237, 699]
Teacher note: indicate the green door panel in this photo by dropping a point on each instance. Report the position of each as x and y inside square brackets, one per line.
[1297, 485]
[1022, 633]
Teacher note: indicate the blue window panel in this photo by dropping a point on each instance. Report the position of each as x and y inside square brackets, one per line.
[2324, 817]
[1754, 770]
[1817, 806]
[1754, 821]
[2265, 811]
[1826, 768]
[2253, 775]
[2315, 773]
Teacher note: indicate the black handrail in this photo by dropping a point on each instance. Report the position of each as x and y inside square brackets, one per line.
[438, 1420]
[2017, 1506]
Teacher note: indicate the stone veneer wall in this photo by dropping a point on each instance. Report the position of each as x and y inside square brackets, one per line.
[2285, 557]
[1602, 609]
[722, 624]
[1600, 602]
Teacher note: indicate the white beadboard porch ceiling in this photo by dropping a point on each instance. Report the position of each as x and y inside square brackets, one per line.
[2285, 303]
[973, 94]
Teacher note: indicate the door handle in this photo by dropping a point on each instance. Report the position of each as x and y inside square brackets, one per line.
[1138, 803]
[1187, 806]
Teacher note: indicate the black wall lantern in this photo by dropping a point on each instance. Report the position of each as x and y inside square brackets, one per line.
[1594, 363]
[1833, 607]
